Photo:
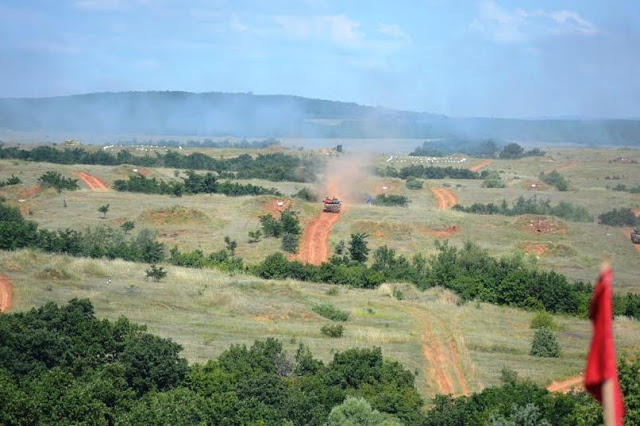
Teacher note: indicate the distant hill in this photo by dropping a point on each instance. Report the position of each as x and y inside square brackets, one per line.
[248, 115]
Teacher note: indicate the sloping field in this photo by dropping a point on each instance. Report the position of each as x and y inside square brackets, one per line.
[452, 348]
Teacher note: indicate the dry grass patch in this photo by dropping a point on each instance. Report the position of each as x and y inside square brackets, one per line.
[383, 230]
[173, 215]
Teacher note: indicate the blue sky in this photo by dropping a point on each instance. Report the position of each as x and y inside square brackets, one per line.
[462, 58]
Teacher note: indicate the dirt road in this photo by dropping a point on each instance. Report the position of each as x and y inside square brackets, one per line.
[94, 183]
[6, 294]
[445, 198]
[480, 165]
[314, 248]
[567, 385]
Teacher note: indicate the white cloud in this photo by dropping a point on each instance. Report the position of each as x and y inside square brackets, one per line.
[393, 31]
[513, 26]
[336, 28]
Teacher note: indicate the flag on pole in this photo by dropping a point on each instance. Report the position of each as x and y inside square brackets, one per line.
[601, 361]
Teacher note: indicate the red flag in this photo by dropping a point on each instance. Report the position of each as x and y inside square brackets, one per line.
[601, 362]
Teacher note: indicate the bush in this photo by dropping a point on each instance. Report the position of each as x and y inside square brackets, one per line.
[555, 179]
[332, 330]
[306, 195]
[414, 184]
[543, 319]
[512, 151]
[390, 200]
[622, 217]
[156, 273]
[545, 344]
[59, 182]
[357, 411]
[331, 312]
[290, 242]
[13, 180]
[397, 293]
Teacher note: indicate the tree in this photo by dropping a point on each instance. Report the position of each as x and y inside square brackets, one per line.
[156, 273]
[339, 148]
[512, 151]
[104, 209]
[358, 249]
[488, 149]
[545, 344]
[290, 242]
[231, 245]
[341, 248]
[254, 236]
[128, 226]
[356, 411]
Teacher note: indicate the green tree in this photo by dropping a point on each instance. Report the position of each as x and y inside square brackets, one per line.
[512, 151]
[104, 209]
[356, 411]
[254, 236]
[231, 245]
[545, 344]
[128, 226]
[156, 273]
[358, 249]
[290, 242]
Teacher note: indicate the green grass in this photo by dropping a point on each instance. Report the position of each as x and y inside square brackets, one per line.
[206, 311]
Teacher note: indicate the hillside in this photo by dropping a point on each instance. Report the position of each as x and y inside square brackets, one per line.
[248, 115]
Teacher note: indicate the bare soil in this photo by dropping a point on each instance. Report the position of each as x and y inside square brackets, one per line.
[481, 165]
[6, 294]
[445, 198]
[30, 192]
[565, 386]
[541, 225]
[441, 233]
[538, 249]
[93, 182]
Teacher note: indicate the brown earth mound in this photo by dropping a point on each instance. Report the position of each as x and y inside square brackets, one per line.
[440, 233]
[541, 225]
[538, 249]
[272, 206]
[6, 294]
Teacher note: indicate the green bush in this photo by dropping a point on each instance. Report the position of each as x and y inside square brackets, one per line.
[390, 200]
[493, 180]
[156, 273]
[357, 411]
[59, 182]
[306, 195]
[414, 184]
[619, 217]
[545, 344]
[332, 330]
[397, 293]
[543, 319]
[331, 312]
[290, 242]
[555, 179]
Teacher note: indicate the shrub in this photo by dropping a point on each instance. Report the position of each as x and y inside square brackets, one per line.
[358, 249]
[414, 184]
[545, 344]
[390, 200]
[543, 319]
[104, 209]
[333, 291]
[331, 312]
[290, 242]
[58, 181]
[622, 217]
[332, 330]
[306, 195]
[397, 293]
[156, 273]
[555, 179]
[512, 151]
[254, 236]
[357, 411]
[13, 180]
[493, 180]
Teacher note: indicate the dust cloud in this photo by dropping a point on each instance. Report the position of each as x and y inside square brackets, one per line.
[345, 177]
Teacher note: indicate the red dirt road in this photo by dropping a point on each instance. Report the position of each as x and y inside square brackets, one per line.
[480, 165]
[6, 294]
[445, 198]
[315, 239]
[94, 183]
[567, 385]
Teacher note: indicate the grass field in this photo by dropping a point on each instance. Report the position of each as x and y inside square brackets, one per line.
[206, 312]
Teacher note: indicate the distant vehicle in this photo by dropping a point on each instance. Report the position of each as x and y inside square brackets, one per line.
[332, 205]
[635, 236]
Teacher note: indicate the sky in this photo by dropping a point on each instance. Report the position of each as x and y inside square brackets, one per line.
[461, 58]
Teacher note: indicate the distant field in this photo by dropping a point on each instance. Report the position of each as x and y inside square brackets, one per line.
[206, 311]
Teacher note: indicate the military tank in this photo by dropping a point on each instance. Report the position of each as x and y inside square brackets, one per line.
[635, 236]
[331, 205]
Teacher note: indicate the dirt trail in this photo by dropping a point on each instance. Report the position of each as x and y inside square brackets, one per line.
[445, 198]
[315, 239]
[6, 294]
[569, 166]
[440, 356]
[30, 192]
[567, 385]
[480, 165]
[94, 183]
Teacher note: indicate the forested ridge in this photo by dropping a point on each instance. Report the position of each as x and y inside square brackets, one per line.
[63, 365]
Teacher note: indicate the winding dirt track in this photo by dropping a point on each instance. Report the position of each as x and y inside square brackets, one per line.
[315, 239]
[445, 198]
[480, 165]
[6, 294]
[94, 183]
[567, 385]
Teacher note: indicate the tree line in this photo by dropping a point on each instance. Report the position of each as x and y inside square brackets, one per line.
[430, 172]
[476, 148]
[275, 166]
[469, 271]
[192, 184]
[532, 205]
[63, 365]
